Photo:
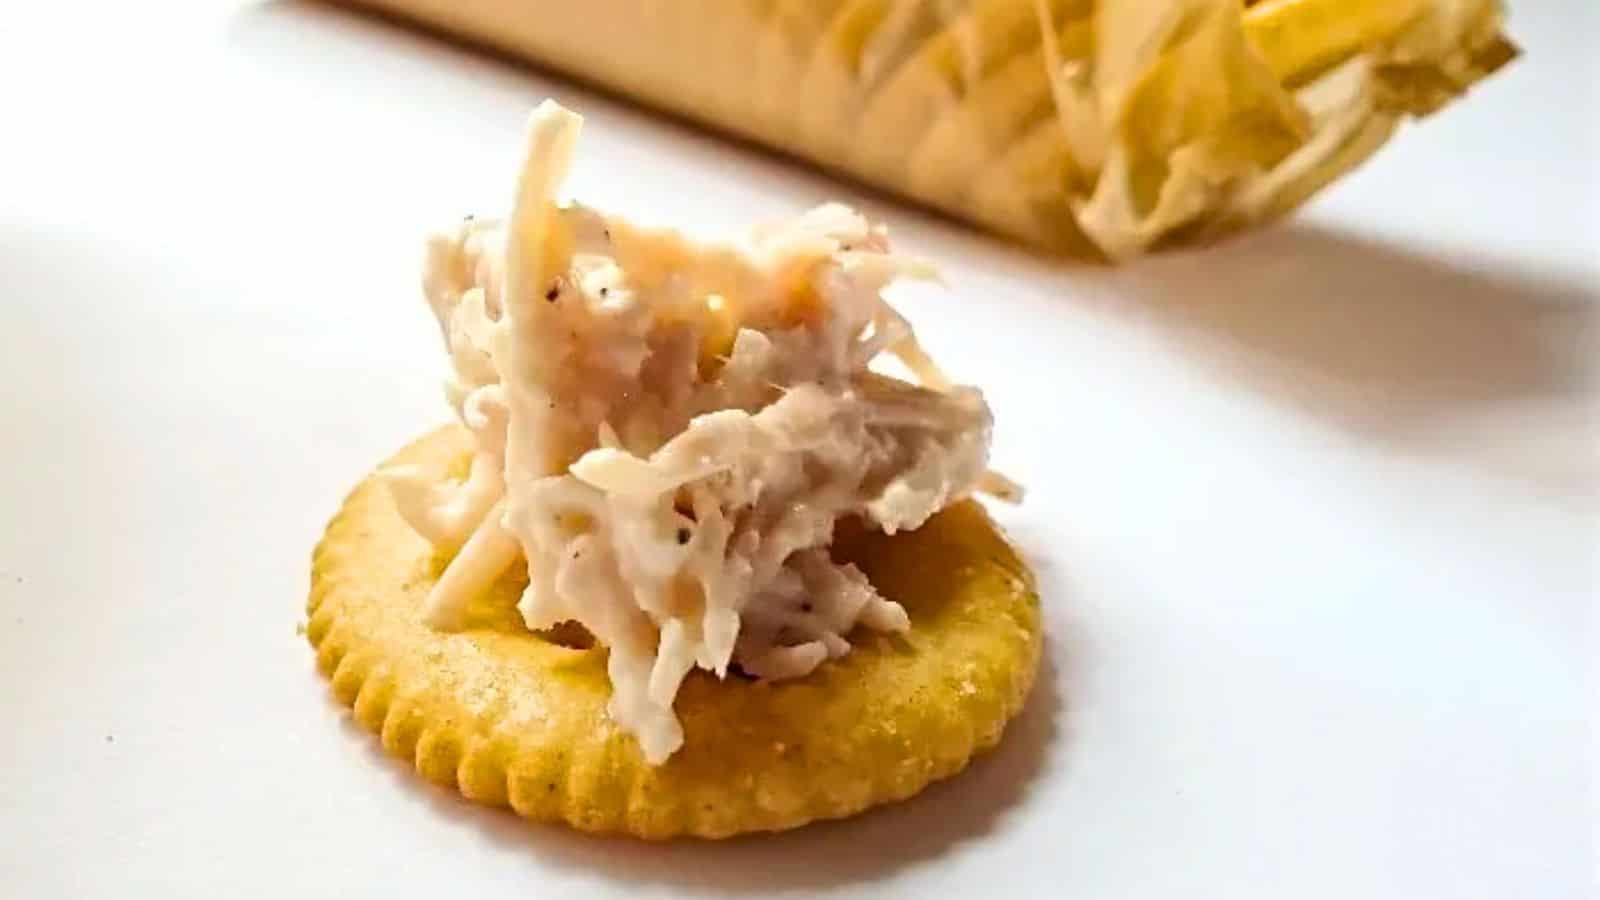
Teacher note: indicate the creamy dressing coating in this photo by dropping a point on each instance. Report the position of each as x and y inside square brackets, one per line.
[668, 431]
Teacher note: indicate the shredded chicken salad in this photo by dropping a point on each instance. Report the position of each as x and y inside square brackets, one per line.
[667, 432]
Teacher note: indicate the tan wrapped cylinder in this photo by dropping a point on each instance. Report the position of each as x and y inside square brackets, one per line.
[1091, 128]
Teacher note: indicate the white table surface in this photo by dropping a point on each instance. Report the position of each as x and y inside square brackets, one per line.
[1313, 512]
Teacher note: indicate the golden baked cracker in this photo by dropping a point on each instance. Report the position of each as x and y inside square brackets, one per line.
[512, 718]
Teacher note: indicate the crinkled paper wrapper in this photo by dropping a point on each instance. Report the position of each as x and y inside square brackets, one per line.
[1100, 129]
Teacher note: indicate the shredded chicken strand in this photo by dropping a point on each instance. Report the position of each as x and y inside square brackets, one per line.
[667, 431]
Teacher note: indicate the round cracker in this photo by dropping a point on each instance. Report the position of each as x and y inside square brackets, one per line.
[513, 718]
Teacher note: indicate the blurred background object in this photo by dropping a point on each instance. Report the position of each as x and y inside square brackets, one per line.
[1090, 128]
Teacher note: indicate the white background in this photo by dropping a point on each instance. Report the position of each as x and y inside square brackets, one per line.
[1313, 511]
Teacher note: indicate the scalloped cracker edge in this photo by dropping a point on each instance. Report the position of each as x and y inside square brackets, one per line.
[512, 719]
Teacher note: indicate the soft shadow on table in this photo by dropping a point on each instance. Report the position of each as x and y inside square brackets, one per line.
[816, 857]
[1477, 365]
[1460, 361]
